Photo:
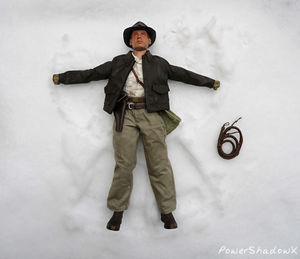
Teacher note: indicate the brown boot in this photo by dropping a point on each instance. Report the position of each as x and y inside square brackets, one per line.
[169, 220]
[115, 221]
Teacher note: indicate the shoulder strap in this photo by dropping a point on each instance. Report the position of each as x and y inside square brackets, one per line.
[137, 79]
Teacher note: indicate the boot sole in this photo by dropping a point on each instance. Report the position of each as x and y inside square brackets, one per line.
[113, 228]
[172, 226]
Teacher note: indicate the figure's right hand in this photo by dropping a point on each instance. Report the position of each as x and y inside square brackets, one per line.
[216, 84]
[55, 79]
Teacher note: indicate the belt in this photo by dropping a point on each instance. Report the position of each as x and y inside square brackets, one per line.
[136, 99]
[132, 105]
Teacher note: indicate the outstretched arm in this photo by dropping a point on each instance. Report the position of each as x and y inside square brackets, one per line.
[183, 75]
[84, 76]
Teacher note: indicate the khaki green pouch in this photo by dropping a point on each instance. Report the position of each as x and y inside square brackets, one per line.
[171, 120]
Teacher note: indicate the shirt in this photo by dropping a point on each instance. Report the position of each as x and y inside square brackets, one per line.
[132, 87]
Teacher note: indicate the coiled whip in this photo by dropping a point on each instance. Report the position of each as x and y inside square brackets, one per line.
[228, 137]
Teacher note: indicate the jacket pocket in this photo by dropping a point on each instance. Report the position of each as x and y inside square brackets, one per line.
[111, 95]
[161, 89]
[160, 95]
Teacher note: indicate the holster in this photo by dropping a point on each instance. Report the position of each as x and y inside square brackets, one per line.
[119, 111]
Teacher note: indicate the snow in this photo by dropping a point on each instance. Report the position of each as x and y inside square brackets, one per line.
[56, 149]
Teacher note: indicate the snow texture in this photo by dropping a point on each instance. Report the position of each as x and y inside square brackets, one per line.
[56, 141]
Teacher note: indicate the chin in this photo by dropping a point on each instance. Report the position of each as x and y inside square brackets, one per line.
[140, 48]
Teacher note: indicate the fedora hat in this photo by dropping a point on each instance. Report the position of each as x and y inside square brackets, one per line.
[138, 26]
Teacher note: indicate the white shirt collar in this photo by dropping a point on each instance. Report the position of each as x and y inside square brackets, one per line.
[137, 59]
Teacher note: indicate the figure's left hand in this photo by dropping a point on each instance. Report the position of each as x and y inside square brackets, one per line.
[216, 84]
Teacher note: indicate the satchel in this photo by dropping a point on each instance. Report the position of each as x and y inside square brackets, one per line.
[170, 119]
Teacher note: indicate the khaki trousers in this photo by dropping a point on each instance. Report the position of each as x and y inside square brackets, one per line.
[151, 128]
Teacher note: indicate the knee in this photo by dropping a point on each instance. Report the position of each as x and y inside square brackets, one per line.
[125, 166]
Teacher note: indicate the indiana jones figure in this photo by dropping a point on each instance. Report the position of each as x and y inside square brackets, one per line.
[143, 79]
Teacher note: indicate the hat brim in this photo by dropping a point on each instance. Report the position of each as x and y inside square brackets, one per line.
[127, 34]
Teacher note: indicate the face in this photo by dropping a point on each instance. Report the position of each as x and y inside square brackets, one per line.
[139, 40]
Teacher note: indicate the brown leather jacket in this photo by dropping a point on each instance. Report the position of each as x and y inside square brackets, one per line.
[156, 72]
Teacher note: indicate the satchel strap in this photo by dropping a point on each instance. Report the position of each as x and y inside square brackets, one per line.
[137, 78]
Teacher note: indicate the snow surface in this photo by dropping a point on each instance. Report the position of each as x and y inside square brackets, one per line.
[56, 141]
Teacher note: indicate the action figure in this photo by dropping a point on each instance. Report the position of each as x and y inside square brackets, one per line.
[138, 88]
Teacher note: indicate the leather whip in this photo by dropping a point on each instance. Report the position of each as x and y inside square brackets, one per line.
[228, 137]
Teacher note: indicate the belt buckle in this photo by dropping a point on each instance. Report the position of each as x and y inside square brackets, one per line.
[129, 105]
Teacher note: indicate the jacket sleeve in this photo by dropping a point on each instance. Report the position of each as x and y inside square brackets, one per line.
[100, 72]
[183, 75]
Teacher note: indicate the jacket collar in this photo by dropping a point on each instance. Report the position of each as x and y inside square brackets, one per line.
[148, 55]
[130, 58]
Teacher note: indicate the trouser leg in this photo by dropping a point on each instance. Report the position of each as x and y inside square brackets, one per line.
[160, 172]
[125, 147]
